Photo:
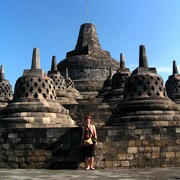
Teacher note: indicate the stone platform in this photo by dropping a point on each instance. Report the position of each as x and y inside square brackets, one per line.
[122, 174]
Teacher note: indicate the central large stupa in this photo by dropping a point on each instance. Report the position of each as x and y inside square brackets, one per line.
[88, 64]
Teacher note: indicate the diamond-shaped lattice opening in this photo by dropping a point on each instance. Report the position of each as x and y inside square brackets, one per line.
[148, 82]
[164, 94]
[35, 95]
[44, 95]
[160, 88]
[39, 79]
[56, 83]
[47, 90]
[43, 85]
[46, 80]
[31, 89]
[156, 83]
[149, 93]
[58, 87]
[51, 97]
[143, 77]
[157, 93]
[158, 78]
[139, 94]
[35, 84]
[26, 95]
[151, 77]
[153, 88]
[144, 88]
[39, 90]
[49, 86]
[27, 84]
[31, 79]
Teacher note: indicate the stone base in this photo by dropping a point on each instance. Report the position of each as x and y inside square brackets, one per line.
[59, 148]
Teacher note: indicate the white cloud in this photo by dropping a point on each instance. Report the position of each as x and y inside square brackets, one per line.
[164, 70]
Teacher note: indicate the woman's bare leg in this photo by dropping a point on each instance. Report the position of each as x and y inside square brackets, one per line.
[92, 162]
[88, 161]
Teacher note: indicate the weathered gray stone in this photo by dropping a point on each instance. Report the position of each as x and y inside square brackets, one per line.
[145, 102]
[34, 102]
[173, 85]
[88, 64]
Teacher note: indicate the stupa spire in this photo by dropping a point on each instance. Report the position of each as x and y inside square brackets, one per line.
[67, 74]
[143, 62]
[2, 72]
[175, 69]
[87, 36]
[35, 59]
[122, 61]
[53, 64]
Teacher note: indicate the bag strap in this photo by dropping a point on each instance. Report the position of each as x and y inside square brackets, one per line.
[91, 133]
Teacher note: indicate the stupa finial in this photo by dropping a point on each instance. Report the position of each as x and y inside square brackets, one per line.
[175, 69]
[110, 72]
[67, 74]
[143, 62]
[122, 61]
[2, 72]
[35, 59]
[53, 65]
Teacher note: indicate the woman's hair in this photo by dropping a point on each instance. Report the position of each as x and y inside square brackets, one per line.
[88, 117]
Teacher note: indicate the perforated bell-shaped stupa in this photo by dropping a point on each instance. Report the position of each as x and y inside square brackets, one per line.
[118, 82]
[145, 102]
[173, 85]
[5, 90]
[106, 85]
[34, 103]
[88, 64]
[60, 85]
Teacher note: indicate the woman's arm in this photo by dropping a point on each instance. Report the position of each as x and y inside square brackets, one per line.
[94, 131]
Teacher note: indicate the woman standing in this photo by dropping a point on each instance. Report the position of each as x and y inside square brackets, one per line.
[89, 132]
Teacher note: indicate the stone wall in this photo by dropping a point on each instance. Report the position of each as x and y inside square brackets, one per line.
[59, 148]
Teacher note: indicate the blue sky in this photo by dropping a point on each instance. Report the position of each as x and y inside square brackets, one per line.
[122, 25]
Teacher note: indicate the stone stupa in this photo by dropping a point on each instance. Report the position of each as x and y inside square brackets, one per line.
[65, 95]
[173, 85]
[118, 83]
[88, 64]
[106, 85]
[145, 102]
[5, 90]
[34, 103]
